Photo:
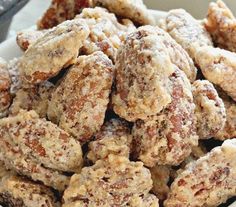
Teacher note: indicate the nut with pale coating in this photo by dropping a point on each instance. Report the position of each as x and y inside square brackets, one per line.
[33, 98]
[106, 33]
[55, 50]
[210, 111]
[5, 84]
[38, 149]
[79, 103]
[219, 67]
[144, 65]
[115, 181]
[131, 9]
[209, 181]
[167, 138]
[221, 24]
[113, 138]
[16, 191]
[186, 30]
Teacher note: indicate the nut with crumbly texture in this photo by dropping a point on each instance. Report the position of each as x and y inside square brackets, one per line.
[106, 33]
[168, 137]
[55, 50]
[112, 182]
[160, 177]
[5, 84]
[210, 111]
[80, 101]
[26, 38]
[35, 147]
[219, 67]
[33, 98]
[209, 181]
[221, 24]
[17, 191]
[144, 65]
[131, 9]
[60, 11]
[186, 30]
[229, 130]
[113, 138]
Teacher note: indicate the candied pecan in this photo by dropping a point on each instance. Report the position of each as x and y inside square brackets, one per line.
[55, 50]
[79, 102]
[112, 182]
[167, 138]
[186, 30]
[210, 111]
[209, 181]
[221, 24]
[38, 149]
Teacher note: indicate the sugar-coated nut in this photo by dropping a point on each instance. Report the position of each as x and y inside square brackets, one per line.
[115, 181]
[219, 67]
[106, 32]
[131, 9]
[79, 103]
[209, 181]
[55, 50]
[221, 24]
[167, 138]
[39, 149]
[186, 30]
[209, 111]
[113, 138]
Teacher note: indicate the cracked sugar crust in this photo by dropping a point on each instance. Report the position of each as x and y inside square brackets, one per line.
[115, 181]
[160, 177]
[33, 98]
[144, 65]
[229, 130]
[39, 149]
[60, 11]
[131, 9]
[16, 191]
[113, 138]
[221, 24]
[26, 38]
[218, 66]
[80, 101]
[210, 110]
[57, 49]
[5, 84]
[106, 33]
[167, 138]
[209, 181]
[186, 30]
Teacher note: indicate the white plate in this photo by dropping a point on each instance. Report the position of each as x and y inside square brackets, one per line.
[10, 50]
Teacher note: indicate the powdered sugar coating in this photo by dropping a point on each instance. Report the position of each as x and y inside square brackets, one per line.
[219, 67]
[131, 9]
[106, 33]
[79, 103]
[55, 50]
[167, 138]
[221, 24]
[113, 138]
[112, 182]
[28, 141]
[186, 30]
[210, 111]
[209, 181]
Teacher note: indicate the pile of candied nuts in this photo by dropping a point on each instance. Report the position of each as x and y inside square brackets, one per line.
[108, 107]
